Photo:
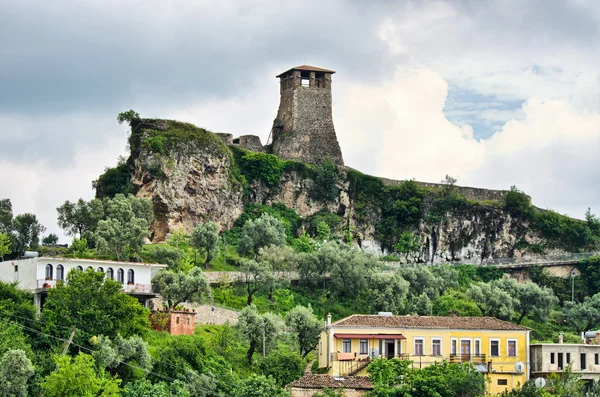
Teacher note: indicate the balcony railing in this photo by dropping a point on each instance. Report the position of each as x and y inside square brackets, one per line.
[129, 288]
[468, 358]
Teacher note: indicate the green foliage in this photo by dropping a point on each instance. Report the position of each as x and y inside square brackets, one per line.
[166, 255]
[16, 302]
[518, 204]
[287, 216]
[156, 170]
[585, 315]
[4, 245]
[407, 243]
[261, 232]
[529, 389]
[332, 220]
[306, 327]
[455, 303]
[492, 300]
[283, 366]
[262, 167]
[145, 388]
[388, 293]
[15, 371]
[156, 144]
[256, 276]
[114, 181]
[304, 243]
[564, 232]
[27, 231]
[255, 329]
[327, 392]
[178, 287]
[324, 188]
[78, 378]
[120, 354]
[97, 306]
[529, 298]
[6, 215]
[80, 217]
[79, 248]
[13, 338]
[421, 305]
[444, 202]
[259, 386]
[205, 238]
[128, 115]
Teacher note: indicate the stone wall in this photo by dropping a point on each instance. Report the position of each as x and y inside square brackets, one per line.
[249, 142]
[303, 129]
[301, 392]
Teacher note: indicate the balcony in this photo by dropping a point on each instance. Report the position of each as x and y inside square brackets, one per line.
[128, 288]
[468, 358]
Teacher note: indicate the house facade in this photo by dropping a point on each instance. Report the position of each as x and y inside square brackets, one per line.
[548, 358]
[39, 274]
[498, 349]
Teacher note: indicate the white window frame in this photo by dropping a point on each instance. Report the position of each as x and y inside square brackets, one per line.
[415, 339]
[499, 345]
[477, 352]
[454, 345]
[437, 338]
[516, 347]
[344, 345]
[470, 346]
[360, 342]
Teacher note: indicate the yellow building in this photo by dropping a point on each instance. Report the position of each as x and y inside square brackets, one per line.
[497, 348]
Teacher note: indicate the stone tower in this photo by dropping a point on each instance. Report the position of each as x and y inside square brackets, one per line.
[303, 129]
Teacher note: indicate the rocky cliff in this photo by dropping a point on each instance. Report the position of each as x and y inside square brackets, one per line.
[192, 175]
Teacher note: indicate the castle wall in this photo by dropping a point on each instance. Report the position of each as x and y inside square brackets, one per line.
[308, 133]
[472, 193]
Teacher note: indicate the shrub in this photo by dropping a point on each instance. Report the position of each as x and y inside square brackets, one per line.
[324, 187]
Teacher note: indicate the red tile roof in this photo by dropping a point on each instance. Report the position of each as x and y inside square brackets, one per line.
[307, 68]
[441, 322]
[333, 382]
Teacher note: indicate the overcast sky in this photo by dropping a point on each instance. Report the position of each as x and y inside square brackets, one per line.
[495, 93]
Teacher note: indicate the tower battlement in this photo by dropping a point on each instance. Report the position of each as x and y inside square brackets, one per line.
[303, 129]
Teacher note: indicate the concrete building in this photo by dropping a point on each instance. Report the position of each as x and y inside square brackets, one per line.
[548, 358]
[39, 274]
[498, 349]
[303, 129]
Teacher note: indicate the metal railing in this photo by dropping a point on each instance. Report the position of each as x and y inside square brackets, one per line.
[129, 288]
[468, 358]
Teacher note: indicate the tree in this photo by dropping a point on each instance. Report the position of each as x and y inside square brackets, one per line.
[78, 378]
[6, 215]
[307, 327]
[178, 238]
[530, 298]
[387, 293]
[178, 287]
[407, 243]
[15, 370]
[324, 187]
[283, 366]
[261, 232]
[129, 116]
[349, 268]
[583, 316]
[145, 388]
[79, 248]
[281, 260]
[167, 255]
[518, 204]
[421, 305]
[455, 303]
[89, 302]
[80, 217]
[255, 329]
[13, 338]
[205, 238]
[126, 226]
[492, 301]
[259, 386]
[120, 354]
[422, 280]
[4, 245]
[27, 232]
[256, 276]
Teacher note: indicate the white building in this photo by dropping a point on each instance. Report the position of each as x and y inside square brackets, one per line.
[41, 273]
[548, 358]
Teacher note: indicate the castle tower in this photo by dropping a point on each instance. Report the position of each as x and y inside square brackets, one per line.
[303, 129]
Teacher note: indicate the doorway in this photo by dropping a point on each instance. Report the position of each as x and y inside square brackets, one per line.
[390, 347]
[465, 350]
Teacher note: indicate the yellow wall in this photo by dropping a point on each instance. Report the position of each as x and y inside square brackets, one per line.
[502, 366]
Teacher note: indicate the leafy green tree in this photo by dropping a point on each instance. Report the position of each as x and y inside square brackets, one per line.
[13, 338]
[306, 326]
[6, 215]
[304, 243]
[167, 255]
[421, 305]
[324, 187]
[529, 389]
[388, 293]
[323, 231]
[407, 243]
[205, 238]
[79, 248]
[455, 303]
[261, 232]
[349, 268]
[422, 280]
[178, 238]
[118, 355]
[145, 388]
[585, 315]
[225, 341]
[15, 371]
[126, 226]
[129, 116]
[18, 303]
[259, 386]
[179, 287]
[49, 240]
[518, 203]
[80, 217]
[283, 366]
[530, 298]
[4, 245]
[386, 373]
[93, 304]
[492, 300]
[116, 180]
[78, 378]
[27, 231]
[255, 329]
[566, 383]
[256, 276]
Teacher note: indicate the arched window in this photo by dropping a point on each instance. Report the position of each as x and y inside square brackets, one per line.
[89, 268]
[130, 276]
[120, 276]
[48, 272]
[60, 273]
[79, 268]
[100, 270]
[110, 273]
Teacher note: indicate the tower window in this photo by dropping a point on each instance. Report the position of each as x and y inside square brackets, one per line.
[305, 82]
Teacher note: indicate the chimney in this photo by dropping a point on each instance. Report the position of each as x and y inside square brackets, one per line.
[597, 338]
[489, 367]
[329, 319]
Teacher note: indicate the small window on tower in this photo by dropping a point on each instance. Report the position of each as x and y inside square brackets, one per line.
[305, 82]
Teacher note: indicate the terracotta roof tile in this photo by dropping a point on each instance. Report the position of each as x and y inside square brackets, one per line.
[307, 68]
[441, 322]
[333, 382]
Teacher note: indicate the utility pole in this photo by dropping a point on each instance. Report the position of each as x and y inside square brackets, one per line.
[264, 337]
[69, 342]
[572, 286]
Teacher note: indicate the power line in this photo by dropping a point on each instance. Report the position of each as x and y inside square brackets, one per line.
[120, 362]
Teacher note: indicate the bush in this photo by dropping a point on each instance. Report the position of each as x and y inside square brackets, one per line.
[284, 366]
[260, 166]
[518, 204]
[324, 187]
[114, 181]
